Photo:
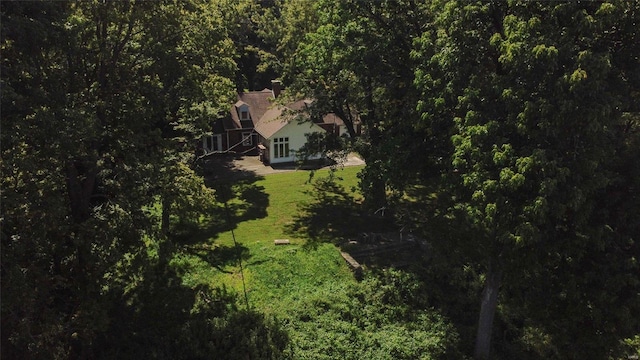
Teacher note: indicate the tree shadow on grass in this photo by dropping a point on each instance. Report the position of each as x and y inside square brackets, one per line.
[208, 228]
[236, 201]
[334, 216]
[158, 317]
[221, 256]
[242, 200]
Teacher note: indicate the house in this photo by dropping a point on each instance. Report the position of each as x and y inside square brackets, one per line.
[258, 125]
[281, 131]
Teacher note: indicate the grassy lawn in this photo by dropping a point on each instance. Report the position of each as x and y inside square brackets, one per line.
[309, 291]
[275, 276]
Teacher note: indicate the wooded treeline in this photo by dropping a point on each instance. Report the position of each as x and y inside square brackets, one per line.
[101, 105]
[518, 121]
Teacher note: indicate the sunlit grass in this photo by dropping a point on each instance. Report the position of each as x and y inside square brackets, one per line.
[274, 275]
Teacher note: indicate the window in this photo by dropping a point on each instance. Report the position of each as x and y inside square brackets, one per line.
[244, 115]
[247, 139]
[212, 143]
[281, 147]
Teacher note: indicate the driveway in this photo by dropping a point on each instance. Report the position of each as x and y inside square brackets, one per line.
[253, 164]
[233, 166]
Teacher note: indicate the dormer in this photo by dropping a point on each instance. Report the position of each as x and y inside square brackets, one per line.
[244, 115]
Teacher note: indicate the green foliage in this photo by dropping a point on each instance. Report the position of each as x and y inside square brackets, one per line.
[333, 148]
[100, 103]
[188, 201]
[532, 110]
[357, 64]
[160, 318]
[384, 317]
[517, 121]
[629, 347]
[282, 28]
[325, 313]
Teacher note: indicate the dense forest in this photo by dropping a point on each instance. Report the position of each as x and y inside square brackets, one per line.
[505, 132]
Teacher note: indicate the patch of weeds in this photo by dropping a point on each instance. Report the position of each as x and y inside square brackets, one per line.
[386, 316]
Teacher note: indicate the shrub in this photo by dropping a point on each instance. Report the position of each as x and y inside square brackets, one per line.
[386, 316]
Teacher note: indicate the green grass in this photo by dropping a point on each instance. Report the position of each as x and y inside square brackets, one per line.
[275, 276]
[309, 291]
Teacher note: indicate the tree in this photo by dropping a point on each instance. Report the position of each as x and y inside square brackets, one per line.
[195, 67]
[533, 109]
[100, 103]
[357, 65]
[283, 28]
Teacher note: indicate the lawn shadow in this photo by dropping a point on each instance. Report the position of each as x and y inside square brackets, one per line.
[221, 256]
[234, 187]
[372, 239]
[222, 168]
[252, 201]
[238, 202]
[333, 215]
[209, 227]
[237, 198]
[159, 317]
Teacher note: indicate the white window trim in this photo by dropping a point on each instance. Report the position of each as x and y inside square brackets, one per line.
[286, 150]
[247, 139]
[244, 110]
[214, 140]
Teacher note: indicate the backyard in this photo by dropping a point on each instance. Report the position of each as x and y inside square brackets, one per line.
[262, 209]
[306, 286]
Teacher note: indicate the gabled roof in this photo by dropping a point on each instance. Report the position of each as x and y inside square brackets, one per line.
[278, 117]
[268, 117]
[258, 101]
[298, 105]
[272, 121]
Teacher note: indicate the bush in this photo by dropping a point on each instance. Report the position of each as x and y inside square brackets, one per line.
[386, 316]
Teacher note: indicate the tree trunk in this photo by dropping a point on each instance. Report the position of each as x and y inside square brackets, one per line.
[81, 179]
[487, 313]
[166, 213]
[344, 112]
[377, 197]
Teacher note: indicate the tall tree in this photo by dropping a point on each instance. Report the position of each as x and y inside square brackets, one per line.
[357, 65]
[254, 28]
[532, 96]
[99, 100]
[283, 28]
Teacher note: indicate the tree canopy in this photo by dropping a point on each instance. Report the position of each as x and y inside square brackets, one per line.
[101, 103]
[534, 97]
[511, 112]
[520, 120]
